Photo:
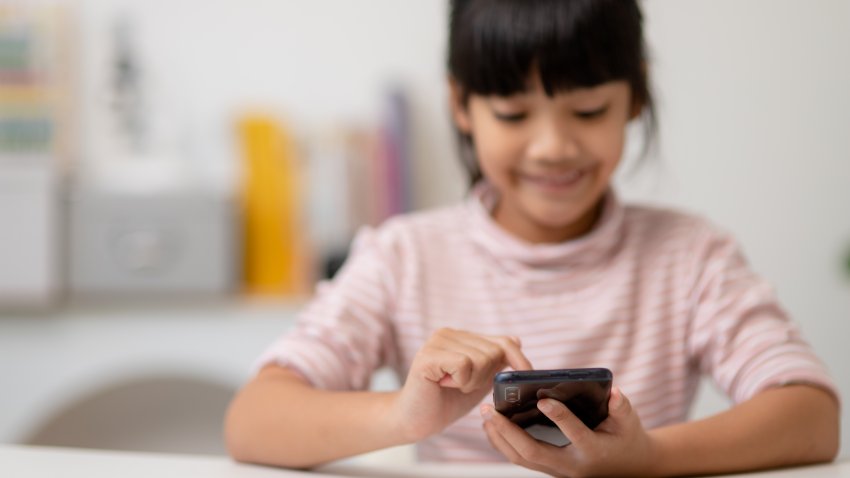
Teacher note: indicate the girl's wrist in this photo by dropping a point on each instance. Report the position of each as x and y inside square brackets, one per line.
[396, 422]
[658, 456]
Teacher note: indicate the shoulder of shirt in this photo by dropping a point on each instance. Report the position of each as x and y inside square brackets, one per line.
[432, 221]
[664, 224]
[424, 226]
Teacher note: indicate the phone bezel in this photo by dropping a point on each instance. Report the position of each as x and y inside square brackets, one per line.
[555, 375]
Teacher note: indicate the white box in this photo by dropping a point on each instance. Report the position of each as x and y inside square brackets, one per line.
[177, 243]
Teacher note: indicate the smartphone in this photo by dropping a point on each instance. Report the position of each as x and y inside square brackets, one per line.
[585, 391]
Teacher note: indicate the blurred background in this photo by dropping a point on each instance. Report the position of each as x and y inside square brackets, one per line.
[176, 175]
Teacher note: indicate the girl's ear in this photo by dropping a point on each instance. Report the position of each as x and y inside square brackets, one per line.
[637, 108]
[460, 113]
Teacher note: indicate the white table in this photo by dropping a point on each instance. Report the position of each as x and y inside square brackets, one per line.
[42, 462]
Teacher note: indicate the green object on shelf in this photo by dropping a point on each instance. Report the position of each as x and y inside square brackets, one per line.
[847, 262]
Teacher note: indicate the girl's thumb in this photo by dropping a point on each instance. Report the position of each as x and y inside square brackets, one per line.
[618, 404]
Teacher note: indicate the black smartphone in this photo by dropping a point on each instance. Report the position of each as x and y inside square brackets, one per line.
[585, 391]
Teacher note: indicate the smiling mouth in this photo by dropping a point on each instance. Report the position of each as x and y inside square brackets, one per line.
[558, 181]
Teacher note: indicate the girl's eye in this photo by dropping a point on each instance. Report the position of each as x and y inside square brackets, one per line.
[510, 117]
[590, 114]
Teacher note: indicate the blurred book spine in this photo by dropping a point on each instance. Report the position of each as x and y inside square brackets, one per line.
[301, 213]
[276, 254]
[35, 99]
[388, 152]
[359, 175]
[395, 132]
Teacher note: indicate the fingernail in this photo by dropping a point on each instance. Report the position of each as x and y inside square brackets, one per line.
[486, 412]
[545, 406]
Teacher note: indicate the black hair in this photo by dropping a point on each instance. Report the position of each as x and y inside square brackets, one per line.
[494, 44]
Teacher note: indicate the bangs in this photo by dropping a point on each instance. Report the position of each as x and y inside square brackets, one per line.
[571, 43]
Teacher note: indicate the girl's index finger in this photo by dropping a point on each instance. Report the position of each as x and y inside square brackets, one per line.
[513, 353]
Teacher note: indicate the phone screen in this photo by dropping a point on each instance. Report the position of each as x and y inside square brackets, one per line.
[584, 391]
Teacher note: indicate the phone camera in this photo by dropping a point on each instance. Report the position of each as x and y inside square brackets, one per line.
[512, 394]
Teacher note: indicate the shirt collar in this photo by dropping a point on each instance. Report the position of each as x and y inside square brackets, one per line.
[596, 246]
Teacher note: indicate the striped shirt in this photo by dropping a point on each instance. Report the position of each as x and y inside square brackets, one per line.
[659, 297]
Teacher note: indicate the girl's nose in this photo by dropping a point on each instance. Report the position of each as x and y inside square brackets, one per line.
[551, 142]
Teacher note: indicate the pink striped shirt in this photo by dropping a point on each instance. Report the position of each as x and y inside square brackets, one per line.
[657, 296]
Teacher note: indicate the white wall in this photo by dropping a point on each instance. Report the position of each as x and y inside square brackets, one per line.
[753, 95]
[321, 63]
[755, 113]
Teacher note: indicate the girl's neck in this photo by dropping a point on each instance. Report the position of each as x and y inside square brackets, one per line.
[520, 225]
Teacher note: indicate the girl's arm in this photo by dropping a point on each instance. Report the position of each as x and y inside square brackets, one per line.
[279, 419]
[339, 339]
[791, 425]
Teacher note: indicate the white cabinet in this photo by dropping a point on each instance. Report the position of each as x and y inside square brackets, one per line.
[29, 232]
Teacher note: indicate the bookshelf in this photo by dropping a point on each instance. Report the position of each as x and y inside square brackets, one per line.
[35, 145]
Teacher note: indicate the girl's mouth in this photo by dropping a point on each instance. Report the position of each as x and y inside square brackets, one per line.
[562, 182]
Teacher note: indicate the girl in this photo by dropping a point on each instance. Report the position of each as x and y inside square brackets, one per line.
[543, 267]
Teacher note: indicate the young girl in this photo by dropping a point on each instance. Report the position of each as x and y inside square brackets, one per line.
[543, 267]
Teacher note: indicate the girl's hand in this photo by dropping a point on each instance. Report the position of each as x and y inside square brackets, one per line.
[618, 447]
[451, 374]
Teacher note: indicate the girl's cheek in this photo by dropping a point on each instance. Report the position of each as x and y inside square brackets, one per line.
[495, 152]
[607, 144]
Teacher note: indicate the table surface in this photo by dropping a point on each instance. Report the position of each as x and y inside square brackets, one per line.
[39, 462]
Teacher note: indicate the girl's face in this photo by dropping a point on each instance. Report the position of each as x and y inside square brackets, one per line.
[550, 158]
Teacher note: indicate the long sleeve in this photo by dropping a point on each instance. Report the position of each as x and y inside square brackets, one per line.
[344, 334]
[740, 335]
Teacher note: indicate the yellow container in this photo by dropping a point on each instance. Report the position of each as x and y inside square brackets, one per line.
[275, 251]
